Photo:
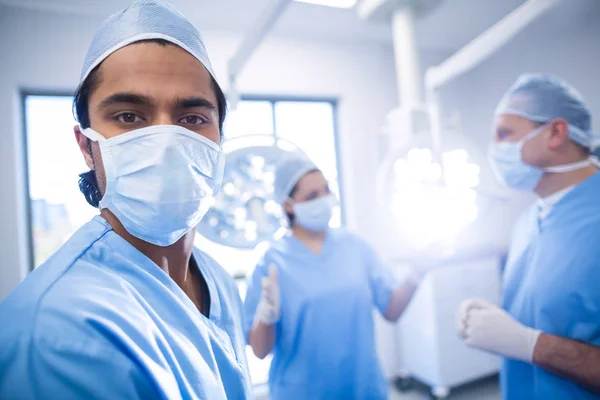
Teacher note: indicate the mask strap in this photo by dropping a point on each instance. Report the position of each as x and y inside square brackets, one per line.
[92, 134]
[534, 133]
[571, 167]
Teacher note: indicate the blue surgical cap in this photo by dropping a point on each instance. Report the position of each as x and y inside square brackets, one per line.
[289, 170]
[144, 20]
[544, 97]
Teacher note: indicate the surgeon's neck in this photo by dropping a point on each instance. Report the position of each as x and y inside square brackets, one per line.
[555, 182]
[313, 240]
[173, 259]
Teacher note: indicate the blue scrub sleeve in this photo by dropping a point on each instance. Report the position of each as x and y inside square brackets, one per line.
[253, 295]
[382, 281]
[82, 370]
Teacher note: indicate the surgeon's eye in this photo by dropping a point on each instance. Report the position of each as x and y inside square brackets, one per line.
[312, 195]
[193, 120]
[128, 118]
[504, 133]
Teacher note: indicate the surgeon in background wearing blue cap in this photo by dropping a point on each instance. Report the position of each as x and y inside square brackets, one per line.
[127, 308]
[548, 330]
[310, 301]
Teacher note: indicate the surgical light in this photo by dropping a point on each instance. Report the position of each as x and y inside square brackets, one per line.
[432, 198]
[331, 3]
[257, 162]
[229, 189]
[245, 213]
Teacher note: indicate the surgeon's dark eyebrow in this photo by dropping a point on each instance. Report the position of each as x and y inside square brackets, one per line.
[126, 98]
[193, 102]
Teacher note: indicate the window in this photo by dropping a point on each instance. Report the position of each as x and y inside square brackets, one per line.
[57, 208]
[54, 163]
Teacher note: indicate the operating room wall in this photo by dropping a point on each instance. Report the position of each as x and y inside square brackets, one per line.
[571, 54]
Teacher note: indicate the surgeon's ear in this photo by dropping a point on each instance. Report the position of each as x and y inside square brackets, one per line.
[559, 134]
[84, 147]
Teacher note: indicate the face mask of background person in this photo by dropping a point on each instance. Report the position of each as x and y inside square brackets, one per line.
[507, 161]
[311, 203]
[542, 155]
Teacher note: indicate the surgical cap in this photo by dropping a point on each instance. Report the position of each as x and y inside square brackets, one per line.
[542, 98]
[290, 169]
[144, 20]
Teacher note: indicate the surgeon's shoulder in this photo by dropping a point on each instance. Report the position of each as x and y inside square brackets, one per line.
[590, 210]
[68, 300]
[347, 237]
[22, 306]
[274, 251]
[276, 246]
[582, 202]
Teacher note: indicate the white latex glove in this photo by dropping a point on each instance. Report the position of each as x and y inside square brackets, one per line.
[488, 327]
[268, 310]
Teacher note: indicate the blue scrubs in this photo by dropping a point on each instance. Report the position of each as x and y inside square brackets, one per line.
[99, 320]
[324, 346]
[552, 283]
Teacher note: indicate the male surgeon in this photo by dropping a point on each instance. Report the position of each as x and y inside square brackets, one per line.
[127, 308]
[548, 330]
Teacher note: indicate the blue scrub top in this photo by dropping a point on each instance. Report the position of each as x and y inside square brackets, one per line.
[552, 283]
[324, 345]
[99, 320]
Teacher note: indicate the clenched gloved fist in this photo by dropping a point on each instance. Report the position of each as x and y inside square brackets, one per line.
[488, 327]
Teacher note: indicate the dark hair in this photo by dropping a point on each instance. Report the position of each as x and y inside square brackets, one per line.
[88, 184]
[290, 216]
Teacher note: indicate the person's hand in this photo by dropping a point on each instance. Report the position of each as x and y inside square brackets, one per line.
[488, 327]
[268, 310]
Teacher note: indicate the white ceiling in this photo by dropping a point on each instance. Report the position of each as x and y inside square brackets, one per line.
[447, 28]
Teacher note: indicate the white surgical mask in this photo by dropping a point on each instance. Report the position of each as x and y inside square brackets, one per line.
[160, 180]
[315, 215]
[507, 161]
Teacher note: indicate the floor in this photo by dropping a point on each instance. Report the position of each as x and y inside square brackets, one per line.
[486, 389]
